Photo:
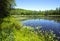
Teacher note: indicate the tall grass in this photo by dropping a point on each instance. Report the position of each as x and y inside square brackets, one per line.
[11, 30]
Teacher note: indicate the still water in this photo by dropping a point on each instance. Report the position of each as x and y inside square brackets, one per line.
[45, 24]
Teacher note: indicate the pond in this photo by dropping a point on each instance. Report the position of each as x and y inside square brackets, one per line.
[45, 24]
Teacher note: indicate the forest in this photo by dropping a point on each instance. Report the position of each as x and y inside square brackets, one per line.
[30, 12]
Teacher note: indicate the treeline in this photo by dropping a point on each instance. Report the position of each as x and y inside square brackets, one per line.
[30, 12]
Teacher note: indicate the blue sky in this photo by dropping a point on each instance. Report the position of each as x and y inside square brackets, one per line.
[37, 4]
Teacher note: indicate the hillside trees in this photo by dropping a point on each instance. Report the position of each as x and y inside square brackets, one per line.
[30, 12]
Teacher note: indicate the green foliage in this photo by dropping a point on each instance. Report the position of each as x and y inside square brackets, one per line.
[30, 12]
[5, 7]
[7, 29]
[25, 34]
[28, 34]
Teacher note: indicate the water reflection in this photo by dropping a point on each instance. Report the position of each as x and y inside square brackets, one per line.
[46, 24]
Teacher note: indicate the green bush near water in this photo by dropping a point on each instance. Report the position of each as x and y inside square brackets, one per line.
[11, 30]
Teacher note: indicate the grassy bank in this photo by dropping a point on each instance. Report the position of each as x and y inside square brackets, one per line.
[12, 30]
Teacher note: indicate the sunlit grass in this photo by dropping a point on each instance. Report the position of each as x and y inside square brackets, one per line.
[12, 30]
